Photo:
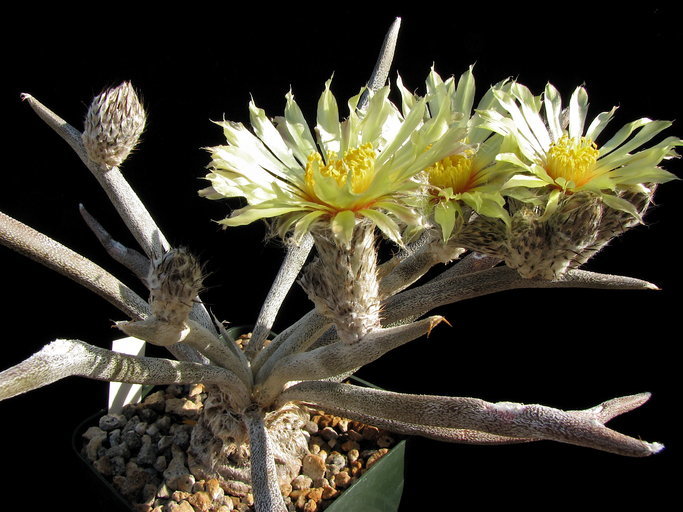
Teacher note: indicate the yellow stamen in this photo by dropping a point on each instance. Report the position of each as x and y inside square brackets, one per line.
[357, 165]
[572, 159]
[454, 171]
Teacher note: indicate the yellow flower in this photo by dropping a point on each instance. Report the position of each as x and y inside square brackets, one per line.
[359, 168]
[471, 178]
[559, 153]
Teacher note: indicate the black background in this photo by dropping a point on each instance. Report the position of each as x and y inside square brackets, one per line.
[569, 349]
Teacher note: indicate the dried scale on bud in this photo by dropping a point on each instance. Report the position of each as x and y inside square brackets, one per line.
[342, 282]
[174, 281]
[113, 125]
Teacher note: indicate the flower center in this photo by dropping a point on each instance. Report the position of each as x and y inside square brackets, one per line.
[357, 166]
[572, 159]
[454, 171]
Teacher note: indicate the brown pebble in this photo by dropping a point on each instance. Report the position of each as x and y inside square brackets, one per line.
[182, 506]
[354, 435]
[201, 501]
[376, 456]
[329, 492]
[214, 490]
[310, 506]
[356, 467]
[196, 389]
[313, 466]
[350, 445]
[180, 495]
[370, 433]
[342, 480]
[286, 489]
[315, 494]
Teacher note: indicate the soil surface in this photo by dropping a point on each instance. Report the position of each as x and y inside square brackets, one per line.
[143, 453]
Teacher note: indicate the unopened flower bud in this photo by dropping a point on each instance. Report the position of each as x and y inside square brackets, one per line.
[113, 125]
[174, 282]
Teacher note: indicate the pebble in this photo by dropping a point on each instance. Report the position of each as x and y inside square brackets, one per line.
[342, 480]
[315, 494]
[160, 464]
[370, 433]
[155, 401]
[337, 460]
[311, 427]
[130, 439]
[181, 435]
[136, 448]
[120, 450]
[376, 456]
[164, 424]
[313, 466]
[354, 435]
[111, 421]
[115, 437]
[349, 445]
[183, 506]
[328, 433]
[104, 466]
[201, 501]
[182, 407]
[95, 440]
[329, 492]
[302, 482]
[214, 489]
[148, 452]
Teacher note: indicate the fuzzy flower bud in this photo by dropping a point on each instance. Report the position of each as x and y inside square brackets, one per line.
[174, 282]
[113, 125]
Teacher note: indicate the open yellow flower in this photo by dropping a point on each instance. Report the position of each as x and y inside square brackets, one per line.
[558, 152]
[472, 179]
[359, 168]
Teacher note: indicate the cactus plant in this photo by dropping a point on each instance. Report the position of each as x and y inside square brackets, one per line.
[257, 377]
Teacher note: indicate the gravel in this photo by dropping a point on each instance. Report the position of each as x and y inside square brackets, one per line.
[143, 453]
